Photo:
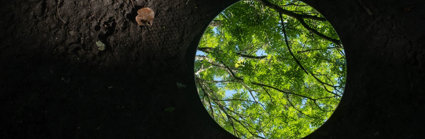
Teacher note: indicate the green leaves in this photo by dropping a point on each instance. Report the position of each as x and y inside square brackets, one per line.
[250, 83]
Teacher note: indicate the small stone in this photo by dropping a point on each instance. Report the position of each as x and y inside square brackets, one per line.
[100, 46]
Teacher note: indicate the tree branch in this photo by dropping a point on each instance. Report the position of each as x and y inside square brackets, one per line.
[300, 18]
[317, 105]
[230, 117]
[299, 111]
[289, 13]
[309, 50]
[202, 69]
[287, 45]
[251, 56]
[231, 72]
[264, 85]
[280, 90]
[215, 23]
[270, 96]
[297, 61]
[243, 125]
[207, 95]
[209, 50]
[336, 41]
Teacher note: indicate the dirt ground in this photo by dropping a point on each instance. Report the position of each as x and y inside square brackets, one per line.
[58, 81]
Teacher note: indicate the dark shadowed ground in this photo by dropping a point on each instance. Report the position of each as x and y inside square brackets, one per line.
[56, 81]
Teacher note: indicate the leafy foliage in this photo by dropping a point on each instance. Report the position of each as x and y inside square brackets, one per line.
[262, 75]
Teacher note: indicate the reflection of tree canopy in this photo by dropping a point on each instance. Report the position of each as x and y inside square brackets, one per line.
[262, 74]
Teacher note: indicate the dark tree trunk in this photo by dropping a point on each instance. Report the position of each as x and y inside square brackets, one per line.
[57, 82]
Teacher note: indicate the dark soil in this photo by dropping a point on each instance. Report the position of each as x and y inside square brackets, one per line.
[55, 82]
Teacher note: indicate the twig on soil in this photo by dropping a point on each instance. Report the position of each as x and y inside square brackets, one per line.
[369, 12]
[58, 13]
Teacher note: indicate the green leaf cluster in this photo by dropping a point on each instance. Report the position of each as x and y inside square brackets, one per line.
[249, 81]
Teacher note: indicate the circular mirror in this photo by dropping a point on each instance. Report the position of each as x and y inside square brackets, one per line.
[270, 69]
